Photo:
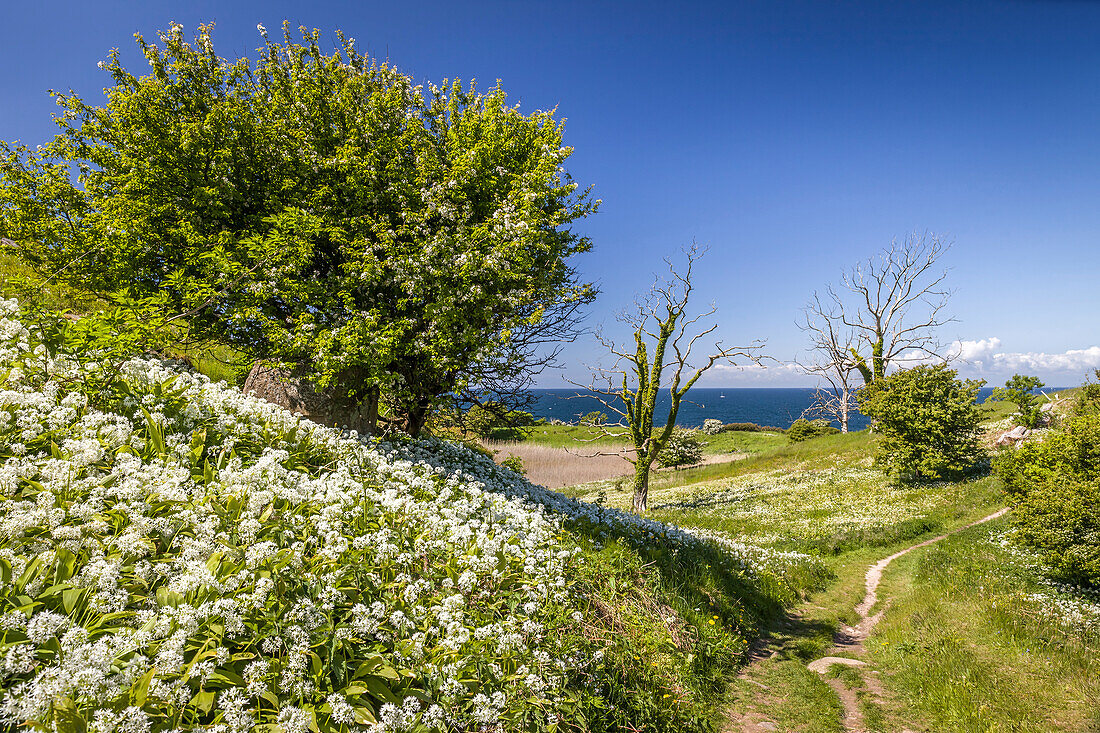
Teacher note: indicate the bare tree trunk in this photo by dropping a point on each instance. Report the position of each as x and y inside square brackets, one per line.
[844, 409]
[641, 487]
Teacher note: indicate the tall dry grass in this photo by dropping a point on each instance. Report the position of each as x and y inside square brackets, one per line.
[555, 468]
[558, 467]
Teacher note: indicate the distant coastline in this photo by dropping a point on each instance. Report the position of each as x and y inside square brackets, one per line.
[778, 406]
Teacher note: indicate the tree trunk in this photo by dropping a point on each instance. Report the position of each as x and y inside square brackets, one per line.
[641, 487]
[373, 397]
[844, 411]
[416, 416]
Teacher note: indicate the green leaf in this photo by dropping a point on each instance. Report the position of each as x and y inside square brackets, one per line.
[28, 573]
[363, 716]
[71, 598]
[68, 717]
[66, 565]
[380, 690]
[139, 691]
[204, 700]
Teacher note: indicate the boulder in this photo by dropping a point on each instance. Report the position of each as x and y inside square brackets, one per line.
[280, 387]
[298, 395]
[1012, 437]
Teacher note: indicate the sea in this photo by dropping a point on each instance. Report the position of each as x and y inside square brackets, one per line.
[768, 406]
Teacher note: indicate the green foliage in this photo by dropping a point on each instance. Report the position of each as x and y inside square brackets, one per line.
[485, 421]
[683, 448]
[317, 209]
[803, 429]
[1020, 390]
[514, 463]
[680, 624]
[929, 422]
[594, 418]
[750, 427]
[1055, 489]
[102, 338]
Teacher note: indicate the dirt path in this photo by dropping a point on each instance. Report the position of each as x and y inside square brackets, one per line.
[847, 647]
[848, 643]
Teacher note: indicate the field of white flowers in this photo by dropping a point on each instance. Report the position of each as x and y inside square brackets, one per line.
[793, 506]
[183, 557]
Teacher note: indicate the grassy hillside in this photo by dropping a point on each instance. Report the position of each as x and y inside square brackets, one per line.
[174, 555]
[974, 636]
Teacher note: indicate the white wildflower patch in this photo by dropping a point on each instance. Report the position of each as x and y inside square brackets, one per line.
[221, 547]
[188, 557]
[1074, 608]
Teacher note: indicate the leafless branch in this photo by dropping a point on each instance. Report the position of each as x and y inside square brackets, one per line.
[661, 357]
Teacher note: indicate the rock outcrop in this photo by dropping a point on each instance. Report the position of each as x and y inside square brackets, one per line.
[297, 394]
[1012, 437]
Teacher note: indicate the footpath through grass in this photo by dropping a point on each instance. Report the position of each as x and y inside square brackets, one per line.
[973, 638]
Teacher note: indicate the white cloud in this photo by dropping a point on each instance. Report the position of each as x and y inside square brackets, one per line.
[975, 352]
[766, 373]
[985, 356]
[1074, 360]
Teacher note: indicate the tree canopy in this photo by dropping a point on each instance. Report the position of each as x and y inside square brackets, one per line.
[318, 210]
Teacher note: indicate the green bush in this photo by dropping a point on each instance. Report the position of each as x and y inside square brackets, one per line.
[750, 427]
[1054, 487]
[1020, 390]
[803, 429]
[928, 420]
[514, 463]
[684, 448]
[488, 420]
[594, 418]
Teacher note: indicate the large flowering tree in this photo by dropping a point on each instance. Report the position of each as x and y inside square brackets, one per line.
[319, 210]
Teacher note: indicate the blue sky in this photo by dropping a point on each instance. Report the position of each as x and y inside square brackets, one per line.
[792, 138]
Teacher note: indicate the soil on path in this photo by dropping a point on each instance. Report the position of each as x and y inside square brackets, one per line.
[848, 646]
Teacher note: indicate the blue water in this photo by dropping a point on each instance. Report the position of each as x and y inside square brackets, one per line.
[775, 406]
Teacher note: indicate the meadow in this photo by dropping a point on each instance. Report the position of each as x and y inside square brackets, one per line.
[700, 616]
[973, 636]
[177, 555]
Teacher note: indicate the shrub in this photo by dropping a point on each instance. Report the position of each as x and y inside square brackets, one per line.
[929, 422]
[683, 448]
[751, 427]
[1054, 488]
[712, 426]
[1020, 390]
[594, 418]
[514, 463]
[803, 429]
[485, 421]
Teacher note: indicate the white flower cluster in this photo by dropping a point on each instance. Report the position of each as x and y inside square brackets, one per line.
[202, 552]
[1073, 607]
[757, 560]
[193, 557]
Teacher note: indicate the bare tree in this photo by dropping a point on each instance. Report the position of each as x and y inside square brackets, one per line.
[894, 304]
[831, 361]
[664, 338]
